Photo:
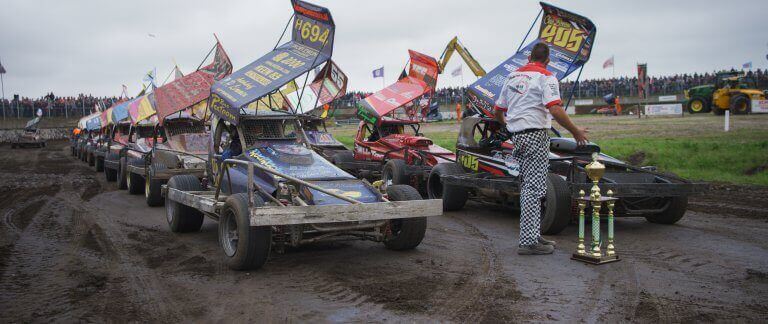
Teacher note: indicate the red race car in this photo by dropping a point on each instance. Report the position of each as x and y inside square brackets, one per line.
[388, 144]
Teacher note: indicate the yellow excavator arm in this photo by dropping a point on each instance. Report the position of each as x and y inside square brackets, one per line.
[454, 45]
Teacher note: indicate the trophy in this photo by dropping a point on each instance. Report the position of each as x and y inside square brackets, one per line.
[595, 255]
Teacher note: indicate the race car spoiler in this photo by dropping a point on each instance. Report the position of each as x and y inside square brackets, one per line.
[570, 38]
[192, 88]
[421, 79]
[311, 45]
[141, 108]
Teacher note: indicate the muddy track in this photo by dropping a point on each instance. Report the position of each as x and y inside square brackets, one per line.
[73, 248]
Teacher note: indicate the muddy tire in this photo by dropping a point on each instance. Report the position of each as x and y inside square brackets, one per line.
[135, 183]
[153, 186]
[407, 233]
[99, 164]
[698, 105]
[110, 174]
[393, 173]
[556, 213]
[740, 104]
[122, 174]
[182, 218]
[454, 197]
[344, 156]
[245, 247]
[674, 212]
[91, 159]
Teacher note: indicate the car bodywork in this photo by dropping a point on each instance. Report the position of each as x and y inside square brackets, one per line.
[266, 186]
[382, 137]
[30, 136]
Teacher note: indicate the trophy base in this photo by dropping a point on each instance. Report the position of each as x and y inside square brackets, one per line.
[595, 260]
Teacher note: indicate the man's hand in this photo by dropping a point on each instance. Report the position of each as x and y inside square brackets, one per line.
[579, 134]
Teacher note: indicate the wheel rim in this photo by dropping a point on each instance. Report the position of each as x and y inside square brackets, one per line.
[741, 106]
[146, 187]
[170, 210]
[229, 235]
[697, 106]
[386, 176]
[128, 181]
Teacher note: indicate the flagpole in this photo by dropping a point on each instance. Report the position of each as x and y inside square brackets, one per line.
[2, 84]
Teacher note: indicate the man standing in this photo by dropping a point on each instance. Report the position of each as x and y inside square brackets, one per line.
[529, 99]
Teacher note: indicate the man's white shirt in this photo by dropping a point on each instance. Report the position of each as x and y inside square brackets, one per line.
[526, 96]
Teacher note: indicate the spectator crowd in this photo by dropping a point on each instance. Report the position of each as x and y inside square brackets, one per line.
[621, 86]
[82, 104]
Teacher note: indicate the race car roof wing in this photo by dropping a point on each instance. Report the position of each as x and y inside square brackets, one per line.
[142, 108]
[192, 88]
[570, 38]
[311, 45]
[421, 79]
[93, 122]
[329, 83]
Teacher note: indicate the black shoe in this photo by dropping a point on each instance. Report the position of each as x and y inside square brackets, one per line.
[536, 249]
[546, 241]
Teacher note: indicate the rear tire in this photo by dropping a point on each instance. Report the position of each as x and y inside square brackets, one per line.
[182, 218]
[674, 212]
[153, 186]
[740, 104]
[245, 247]
[99, 164]
[135, 183]
[122, 175]
[407, 233]
[557, 207]
[393, 173]
[454, 197]
[91, 159]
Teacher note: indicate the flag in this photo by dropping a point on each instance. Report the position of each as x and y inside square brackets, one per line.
[608, 63]
[457, 71]
[747, 65]
[2, 69]
[221, 65]
[178, 73]
[125, 91]
[378, 73]
[150, 77]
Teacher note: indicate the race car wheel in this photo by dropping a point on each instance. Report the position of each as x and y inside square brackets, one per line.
[91, 159]
[556, 213]
[122, 175]
[393, 173]
[698, 105]
[245, 247]
[99, 164]
[135, 183]
[673, 213]
[152, 186]
[343, 156]
[739, 104]
[407, 233]
[182, 218]
[454, 197]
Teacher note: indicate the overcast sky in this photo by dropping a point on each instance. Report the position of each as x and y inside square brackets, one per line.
[95, 46]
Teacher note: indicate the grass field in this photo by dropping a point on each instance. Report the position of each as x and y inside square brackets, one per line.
[694, 147]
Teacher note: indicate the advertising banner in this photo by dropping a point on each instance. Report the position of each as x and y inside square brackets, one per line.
[193, 88]
[311, 46]
[664, 109]
[760, 106]
[570, 38]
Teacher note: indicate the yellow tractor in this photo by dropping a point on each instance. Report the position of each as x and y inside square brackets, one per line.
[731, 91]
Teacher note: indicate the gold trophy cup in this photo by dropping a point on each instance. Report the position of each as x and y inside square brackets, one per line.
[595, 171]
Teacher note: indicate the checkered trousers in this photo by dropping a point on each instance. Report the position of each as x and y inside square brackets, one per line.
[532, 152]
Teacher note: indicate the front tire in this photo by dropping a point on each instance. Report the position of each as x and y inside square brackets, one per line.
[135, 183]
[454, 197]
[557, 206]
[245, 247]
[407, 233]
[182, 218]
[153, 186]
[393, 173]
[740, 104]
[698, 105]
[99, 164]
[122, 174]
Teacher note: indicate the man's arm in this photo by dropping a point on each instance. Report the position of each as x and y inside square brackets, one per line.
[498, 115]
[580, 134]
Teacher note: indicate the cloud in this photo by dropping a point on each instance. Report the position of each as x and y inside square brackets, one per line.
[90, 46]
